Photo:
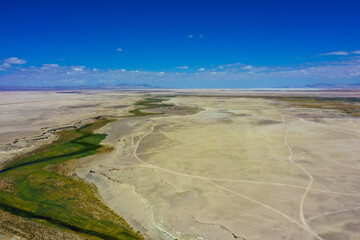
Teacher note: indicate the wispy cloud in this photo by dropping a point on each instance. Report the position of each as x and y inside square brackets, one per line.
[355, 52]
[5, 66]
[78, 68]
[119, 49]
[248, 67]
[195, 36]
[50, 65]
[14, 60]
[241, 67]
[183, 67]
[54, 74]
[337, 53]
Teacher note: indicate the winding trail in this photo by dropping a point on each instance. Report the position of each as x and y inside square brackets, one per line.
[244, 181]
[301, 225]
[301, 209]
[332, 212]
[233, 180]
[119, 168]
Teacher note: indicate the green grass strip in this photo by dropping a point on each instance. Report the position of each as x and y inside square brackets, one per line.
[39, 191]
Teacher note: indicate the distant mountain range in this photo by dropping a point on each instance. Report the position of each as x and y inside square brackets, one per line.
[330, 85]
[148, 86]
[90, 87]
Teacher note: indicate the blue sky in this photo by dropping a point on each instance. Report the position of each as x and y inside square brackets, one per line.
[180, 44]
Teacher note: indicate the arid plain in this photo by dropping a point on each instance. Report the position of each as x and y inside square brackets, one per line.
[215, 165]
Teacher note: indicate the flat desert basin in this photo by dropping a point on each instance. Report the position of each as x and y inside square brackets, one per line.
[241, 168]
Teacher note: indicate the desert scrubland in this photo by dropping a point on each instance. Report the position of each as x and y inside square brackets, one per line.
[207, 164]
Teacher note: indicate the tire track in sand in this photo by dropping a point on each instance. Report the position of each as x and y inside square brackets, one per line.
[143, 135]
[301, 207]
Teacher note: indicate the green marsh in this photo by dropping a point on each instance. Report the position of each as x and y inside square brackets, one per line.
[37, 189]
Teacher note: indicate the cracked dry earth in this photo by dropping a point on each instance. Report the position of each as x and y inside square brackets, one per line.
[241, 168]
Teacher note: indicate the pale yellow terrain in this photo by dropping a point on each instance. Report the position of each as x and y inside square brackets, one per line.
[240, 168]
[24, 113]
[27, 117]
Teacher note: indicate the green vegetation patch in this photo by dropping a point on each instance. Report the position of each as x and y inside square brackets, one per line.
[149, 103]
[36, 188]
[348, 106]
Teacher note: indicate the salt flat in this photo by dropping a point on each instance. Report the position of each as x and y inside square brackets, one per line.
[26, 117]
[24, 113]
[236, 166]
[246, 168]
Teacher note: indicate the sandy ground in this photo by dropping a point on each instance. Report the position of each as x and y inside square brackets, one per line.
[26, 117]
[25, 113]
[241, 168]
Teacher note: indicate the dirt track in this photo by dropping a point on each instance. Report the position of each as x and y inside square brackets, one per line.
[245, 168]
[241, 167]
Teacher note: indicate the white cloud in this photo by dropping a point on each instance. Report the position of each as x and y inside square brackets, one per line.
[356, 52]
[78, 68]
[119, 49]
[232, 65]
[183, 67]
[15, 60]
[195, 36]
[248, 67]
[238, 67]
[50, 65]
[345, 70]
[6, 65]
[337, 53]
